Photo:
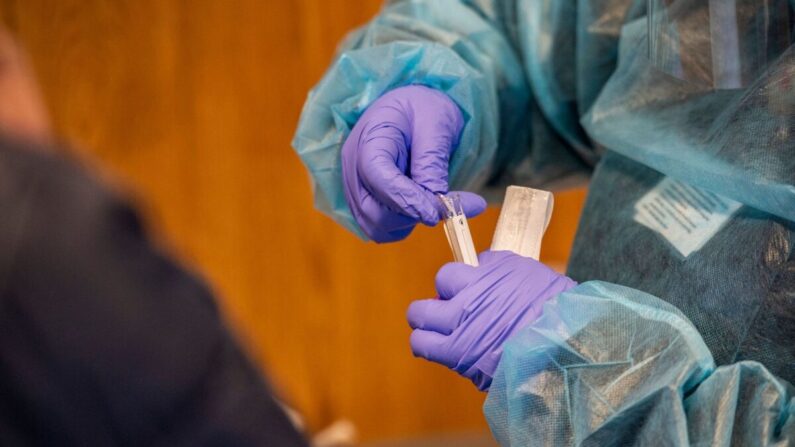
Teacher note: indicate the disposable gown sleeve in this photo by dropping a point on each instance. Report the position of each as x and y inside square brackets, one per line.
[609, 365]
[451, 45]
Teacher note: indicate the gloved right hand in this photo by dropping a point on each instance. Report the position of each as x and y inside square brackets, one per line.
[479, 309]
[395, 162]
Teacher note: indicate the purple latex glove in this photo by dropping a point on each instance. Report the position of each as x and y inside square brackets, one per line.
[396, 159]
[479, 309]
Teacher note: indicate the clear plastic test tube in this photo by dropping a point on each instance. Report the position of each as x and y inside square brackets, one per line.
[457, 230]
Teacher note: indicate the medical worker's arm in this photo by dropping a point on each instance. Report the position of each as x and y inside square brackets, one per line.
[601, 364]
[104, 340]
[466, 53]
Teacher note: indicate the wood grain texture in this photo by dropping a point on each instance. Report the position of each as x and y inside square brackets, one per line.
[192, 105]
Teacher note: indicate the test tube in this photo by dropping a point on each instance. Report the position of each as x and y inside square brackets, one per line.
[523, 220]
[456, 229]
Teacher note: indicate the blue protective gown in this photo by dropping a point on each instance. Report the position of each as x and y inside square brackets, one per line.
[552, 89]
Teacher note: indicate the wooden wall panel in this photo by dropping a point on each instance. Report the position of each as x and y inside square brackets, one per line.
[191, 106]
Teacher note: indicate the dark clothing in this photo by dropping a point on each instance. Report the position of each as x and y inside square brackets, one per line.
[103, 339]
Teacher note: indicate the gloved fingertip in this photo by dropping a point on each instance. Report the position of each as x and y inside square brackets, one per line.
[430, 209]
[416, 313]
[452, 278]
[472, 203]
[421, 343]
[432, 346]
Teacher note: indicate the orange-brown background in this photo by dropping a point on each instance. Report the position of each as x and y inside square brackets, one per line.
[191, 105]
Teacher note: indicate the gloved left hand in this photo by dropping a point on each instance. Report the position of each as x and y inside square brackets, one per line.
[395, 162]
[479, 309]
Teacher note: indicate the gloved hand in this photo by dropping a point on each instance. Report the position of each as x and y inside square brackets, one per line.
[396, 159]
[479, 309]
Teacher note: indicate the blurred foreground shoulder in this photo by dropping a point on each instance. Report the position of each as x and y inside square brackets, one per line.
[104, 339]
